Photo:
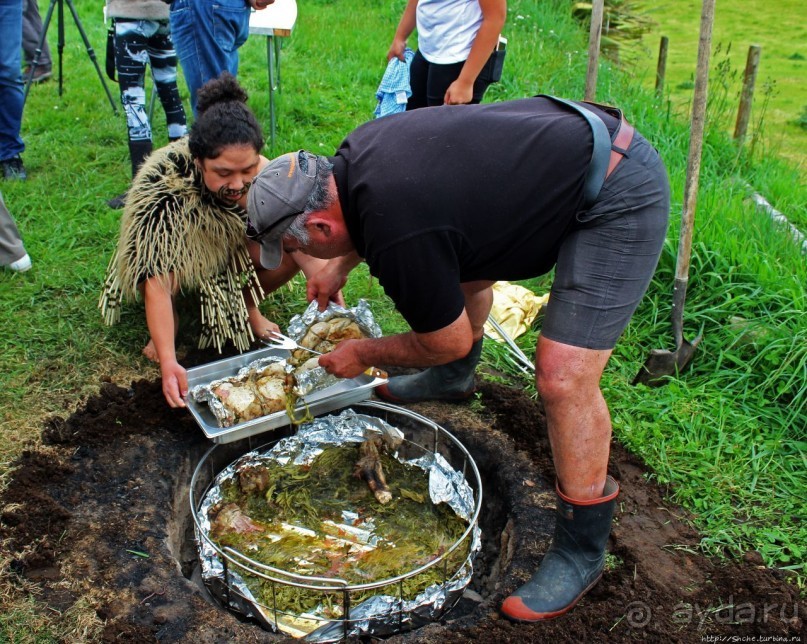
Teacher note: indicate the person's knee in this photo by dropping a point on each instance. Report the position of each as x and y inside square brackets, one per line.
[564, 372]
[555, 381]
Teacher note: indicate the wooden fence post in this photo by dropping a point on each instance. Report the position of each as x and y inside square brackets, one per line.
[661, 68]
[594, 48]
[747, 96]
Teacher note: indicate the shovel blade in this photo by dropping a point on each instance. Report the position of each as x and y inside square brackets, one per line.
[661, 363]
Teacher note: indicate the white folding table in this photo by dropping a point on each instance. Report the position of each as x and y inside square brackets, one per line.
[274, 22]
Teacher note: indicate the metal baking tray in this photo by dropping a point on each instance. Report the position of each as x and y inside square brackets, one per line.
[341, 394]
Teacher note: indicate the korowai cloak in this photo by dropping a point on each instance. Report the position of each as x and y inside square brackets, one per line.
[172, 224]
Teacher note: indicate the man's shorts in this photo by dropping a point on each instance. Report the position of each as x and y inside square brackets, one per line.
[607, 261]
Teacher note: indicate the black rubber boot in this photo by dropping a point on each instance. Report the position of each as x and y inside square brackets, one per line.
[452, 381]
[574, 562]
[138, 151]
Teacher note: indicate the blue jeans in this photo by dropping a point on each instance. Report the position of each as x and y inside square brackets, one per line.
[11, 88]
[207, 35]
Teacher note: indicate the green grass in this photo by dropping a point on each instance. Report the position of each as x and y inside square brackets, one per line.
[728, 435]
[780, 97]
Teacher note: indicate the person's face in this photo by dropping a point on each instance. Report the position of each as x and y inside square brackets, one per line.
[230, 174]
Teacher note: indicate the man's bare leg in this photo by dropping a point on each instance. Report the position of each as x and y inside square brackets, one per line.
[478, 302]
[578, 420]
[568, 380]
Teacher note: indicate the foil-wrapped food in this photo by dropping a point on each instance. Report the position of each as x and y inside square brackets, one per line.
[271, 385]
[261, 388]
[323, 330]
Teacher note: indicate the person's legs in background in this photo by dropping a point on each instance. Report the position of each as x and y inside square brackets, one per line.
[12, 251]
[418, 80]
[11, 89]
[136, 43]
[207, 37]
[31, 35]
[163, 60]
[130, 62]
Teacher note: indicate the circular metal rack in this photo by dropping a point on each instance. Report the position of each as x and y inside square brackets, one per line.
[422, 436]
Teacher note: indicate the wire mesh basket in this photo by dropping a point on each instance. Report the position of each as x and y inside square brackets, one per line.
[380, 607]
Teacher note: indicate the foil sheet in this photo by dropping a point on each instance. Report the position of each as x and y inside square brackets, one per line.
[382, 614]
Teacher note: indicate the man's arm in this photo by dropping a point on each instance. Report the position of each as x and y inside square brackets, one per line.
[353, 357]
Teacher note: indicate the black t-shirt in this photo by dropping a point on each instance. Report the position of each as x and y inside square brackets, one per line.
[450, 194]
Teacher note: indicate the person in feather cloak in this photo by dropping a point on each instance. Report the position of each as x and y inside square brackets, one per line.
[184, 228]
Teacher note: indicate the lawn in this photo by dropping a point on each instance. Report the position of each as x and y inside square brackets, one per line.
[780, 100]
[728, 435]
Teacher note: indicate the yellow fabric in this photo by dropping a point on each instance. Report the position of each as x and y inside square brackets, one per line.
[514, 308]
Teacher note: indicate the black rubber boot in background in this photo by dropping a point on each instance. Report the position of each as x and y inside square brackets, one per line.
[138, 151]
[452, 381]
[574, 562]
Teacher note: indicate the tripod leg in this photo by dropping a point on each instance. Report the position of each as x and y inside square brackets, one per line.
[60, 42]
[38, 52]
[91, 54]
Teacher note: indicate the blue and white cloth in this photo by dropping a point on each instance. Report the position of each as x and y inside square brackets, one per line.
[394, 89]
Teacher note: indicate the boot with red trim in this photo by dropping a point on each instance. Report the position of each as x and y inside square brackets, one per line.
[452, 381]
[574, 562]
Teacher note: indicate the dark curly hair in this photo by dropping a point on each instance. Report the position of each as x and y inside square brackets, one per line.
[223, 119]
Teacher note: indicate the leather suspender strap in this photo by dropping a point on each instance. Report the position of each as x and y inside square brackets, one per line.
[605, 155]
[624, 135]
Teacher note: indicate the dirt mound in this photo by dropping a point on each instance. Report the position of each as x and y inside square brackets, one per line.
[99, 511]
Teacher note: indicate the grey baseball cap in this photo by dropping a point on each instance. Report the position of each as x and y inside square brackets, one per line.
[279, 193]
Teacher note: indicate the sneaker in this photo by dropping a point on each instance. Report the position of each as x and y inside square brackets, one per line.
[118, 202]
[41, 74]
[22, 264]
[14, 169]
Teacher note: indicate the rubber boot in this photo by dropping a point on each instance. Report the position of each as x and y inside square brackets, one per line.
[138, 151]
[452, 381]
[574, 562]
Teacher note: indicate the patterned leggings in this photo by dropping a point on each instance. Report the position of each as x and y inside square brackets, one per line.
[138, 42]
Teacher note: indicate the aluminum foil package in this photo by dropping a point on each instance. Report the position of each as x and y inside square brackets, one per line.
[304, 327]
[361, 314]
[384, 613]
[256, 390]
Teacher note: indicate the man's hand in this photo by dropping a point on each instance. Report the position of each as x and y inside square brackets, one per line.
[175, 383]
[326, 287]
[343, 361]
[260, 4]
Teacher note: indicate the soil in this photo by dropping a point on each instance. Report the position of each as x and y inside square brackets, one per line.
[99, 511]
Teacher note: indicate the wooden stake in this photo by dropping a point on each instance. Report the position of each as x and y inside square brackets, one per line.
[661, 68]
[747, 96]
[594, 49]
